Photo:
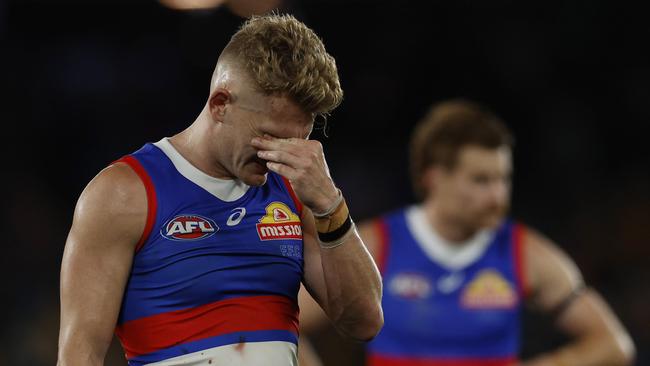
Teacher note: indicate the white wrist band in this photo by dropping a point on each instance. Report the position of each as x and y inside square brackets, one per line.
[329, 211]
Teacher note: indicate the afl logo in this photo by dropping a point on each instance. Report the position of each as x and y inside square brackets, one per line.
[189, 227]
[410, 286]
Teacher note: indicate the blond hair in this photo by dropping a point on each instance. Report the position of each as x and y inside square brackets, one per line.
[283, 56]
[448, 127]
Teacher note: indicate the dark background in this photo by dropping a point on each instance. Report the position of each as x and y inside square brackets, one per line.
[84, 83]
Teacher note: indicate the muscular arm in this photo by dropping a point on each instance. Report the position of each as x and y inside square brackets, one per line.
[312, 317]
[345, 282]
[108, 221]
[598, 338]
[344, 279]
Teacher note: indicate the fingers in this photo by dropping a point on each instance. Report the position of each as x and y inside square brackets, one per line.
[284, 170]
[295, 152]
[289, 140]
[283, 157]
[302, 162]
[293, 145]
[270, 143]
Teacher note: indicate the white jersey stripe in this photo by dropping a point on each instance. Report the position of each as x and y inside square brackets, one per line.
[452, 256]
[274, 353]
[227, 190]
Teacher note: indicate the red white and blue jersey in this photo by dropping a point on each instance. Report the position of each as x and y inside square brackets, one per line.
[448, 304]
[216, 274]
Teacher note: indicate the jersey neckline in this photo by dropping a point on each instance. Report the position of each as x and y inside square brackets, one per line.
[452, 256]
[228, 190]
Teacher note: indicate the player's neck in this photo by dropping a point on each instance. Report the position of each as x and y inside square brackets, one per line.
[448, 228]
[192, 145]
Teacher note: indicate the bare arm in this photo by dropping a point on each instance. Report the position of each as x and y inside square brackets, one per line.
[312, 317]
[345, 282]
[344, 279]
[108, 221]
[598, 338]
[312, 321]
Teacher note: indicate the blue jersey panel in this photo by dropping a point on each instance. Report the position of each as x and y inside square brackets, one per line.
[432, 312]
[202, 249]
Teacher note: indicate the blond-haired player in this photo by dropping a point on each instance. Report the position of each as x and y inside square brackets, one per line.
[192, 249]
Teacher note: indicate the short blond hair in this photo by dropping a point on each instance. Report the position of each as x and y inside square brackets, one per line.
[283, 56]
[449, 126]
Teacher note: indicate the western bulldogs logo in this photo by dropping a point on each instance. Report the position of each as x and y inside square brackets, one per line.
[489, 290]
[189, 227]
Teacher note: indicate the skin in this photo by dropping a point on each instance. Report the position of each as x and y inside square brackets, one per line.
[240, 134]
[475, 194]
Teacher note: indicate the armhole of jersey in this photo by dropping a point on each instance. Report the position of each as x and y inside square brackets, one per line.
[381, 226]
[296, 201]
[518, 231]
[152, 205]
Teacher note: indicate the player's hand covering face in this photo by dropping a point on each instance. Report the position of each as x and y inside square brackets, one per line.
[303, 163]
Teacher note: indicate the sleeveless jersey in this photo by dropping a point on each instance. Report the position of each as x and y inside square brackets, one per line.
[216, 275]
[439, 312]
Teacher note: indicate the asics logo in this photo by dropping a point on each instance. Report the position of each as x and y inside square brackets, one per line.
[235, 217]
[450, 283]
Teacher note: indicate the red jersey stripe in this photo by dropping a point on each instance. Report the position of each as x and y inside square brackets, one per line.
[518, 247]
[151, 197]
[161, 331]
[296, 201]
[380, 360]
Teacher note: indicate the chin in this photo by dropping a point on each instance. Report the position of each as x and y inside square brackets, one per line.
[254, 174]
[492, 221]
[254, 179]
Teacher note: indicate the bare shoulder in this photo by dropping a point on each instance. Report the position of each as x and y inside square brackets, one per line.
[542, 252]
[108, 222]
[115, 198]
[552, 274]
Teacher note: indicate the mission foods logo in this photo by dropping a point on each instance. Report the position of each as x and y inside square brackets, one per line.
[189, 227]
[278, 223]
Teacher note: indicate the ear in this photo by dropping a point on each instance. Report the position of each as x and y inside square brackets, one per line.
[217, 103]
[431, 178]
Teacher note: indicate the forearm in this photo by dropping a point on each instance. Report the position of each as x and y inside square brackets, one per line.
[77, 358]
[353, 288]
[78, 351]
[598, 337]
[347, 282]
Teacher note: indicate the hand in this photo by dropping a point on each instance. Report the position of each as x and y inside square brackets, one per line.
[303, 163]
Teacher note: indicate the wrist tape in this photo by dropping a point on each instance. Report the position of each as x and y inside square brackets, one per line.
[333, 228]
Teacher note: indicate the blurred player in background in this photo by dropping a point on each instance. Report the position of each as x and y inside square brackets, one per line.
[193, 248]
[457, 270]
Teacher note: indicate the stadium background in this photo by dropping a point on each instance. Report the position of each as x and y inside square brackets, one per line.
[86, 82]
